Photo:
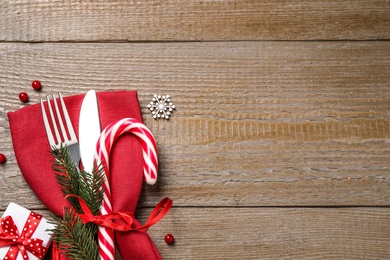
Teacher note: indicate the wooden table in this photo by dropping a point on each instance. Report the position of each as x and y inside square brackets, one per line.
[280, 144]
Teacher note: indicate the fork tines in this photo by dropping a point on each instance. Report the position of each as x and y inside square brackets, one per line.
[57, 123]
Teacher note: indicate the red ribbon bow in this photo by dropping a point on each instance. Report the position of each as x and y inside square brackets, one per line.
[9, 236]
[157, 214]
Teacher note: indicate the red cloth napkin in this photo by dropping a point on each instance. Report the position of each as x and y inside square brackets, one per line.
[32, 152]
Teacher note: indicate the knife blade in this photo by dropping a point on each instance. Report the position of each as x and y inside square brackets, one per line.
[89, 130]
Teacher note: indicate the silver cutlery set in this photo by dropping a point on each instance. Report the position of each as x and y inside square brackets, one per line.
[89, 128]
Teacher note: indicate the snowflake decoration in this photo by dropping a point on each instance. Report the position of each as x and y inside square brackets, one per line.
[161, 107]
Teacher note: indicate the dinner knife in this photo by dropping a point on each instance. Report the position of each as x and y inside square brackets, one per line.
[89, 130]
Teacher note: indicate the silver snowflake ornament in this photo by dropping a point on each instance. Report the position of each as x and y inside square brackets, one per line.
[161, 106]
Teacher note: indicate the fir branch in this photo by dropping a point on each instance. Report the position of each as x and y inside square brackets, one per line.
[91, 188]
[67, 174]
[75, 239]
[86, 185]
[70, 232]
[91, 191]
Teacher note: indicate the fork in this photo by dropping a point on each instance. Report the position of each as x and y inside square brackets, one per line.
[56, 141]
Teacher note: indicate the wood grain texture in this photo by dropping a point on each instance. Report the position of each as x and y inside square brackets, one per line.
[279, 147]
[272, 233]
[195, 20]
[257, 123]
[275, 233]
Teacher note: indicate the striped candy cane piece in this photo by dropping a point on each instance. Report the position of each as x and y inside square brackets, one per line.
[102, 156]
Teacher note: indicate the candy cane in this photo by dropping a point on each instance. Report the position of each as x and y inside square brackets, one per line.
[102, 156]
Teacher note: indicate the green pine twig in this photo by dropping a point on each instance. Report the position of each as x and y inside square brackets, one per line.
[75, 240]
[91, 188]
[67, 174]
[86, 185]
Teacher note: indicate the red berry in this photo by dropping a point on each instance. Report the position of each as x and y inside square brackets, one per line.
[169, 239]
[2, 158]
[23, 96]
[36, 84]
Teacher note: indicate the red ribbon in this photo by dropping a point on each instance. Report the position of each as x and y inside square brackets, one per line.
[156, 215]
[9, 236]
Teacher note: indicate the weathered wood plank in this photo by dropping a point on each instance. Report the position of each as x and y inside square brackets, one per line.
[273, 233]
[257, 123]
[195, 20]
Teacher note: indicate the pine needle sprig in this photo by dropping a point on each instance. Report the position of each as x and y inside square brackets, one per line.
[75, 239]
[91, 188]
[67, 174]
[86, 185]
[91, 192]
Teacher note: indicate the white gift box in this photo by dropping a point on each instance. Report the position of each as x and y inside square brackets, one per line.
[20, 216]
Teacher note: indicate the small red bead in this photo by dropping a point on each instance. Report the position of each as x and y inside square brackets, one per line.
[36, 84]
[169, 239]
[2, 158]
[23, 96]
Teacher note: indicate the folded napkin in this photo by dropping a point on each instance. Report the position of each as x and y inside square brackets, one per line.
[32, 152]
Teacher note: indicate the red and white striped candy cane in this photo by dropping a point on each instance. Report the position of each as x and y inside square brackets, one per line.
[102, 156]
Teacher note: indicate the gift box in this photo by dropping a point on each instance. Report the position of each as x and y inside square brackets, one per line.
[23, 234]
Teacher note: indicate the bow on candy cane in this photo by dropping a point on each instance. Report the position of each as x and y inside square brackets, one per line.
[108, 220]
[21, 243]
